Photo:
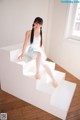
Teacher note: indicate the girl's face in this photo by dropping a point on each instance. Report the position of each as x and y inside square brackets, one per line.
[37, 25]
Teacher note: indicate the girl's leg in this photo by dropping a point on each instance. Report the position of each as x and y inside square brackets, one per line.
[38, 62]
[48, 70]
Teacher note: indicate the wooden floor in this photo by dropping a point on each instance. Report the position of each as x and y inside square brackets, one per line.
[17, 109]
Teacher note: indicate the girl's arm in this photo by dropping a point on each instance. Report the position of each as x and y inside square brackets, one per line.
[25, 42]
[27, 35]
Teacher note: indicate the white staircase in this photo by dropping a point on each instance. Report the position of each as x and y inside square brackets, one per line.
[17, 78]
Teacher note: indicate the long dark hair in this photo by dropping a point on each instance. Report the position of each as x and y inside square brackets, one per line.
[39, 21]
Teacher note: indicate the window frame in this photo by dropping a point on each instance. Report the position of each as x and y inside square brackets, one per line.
[70, 23]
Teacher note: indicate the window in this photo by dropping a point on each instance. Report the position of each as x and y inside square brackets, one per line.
[73, 23]
[76, 26]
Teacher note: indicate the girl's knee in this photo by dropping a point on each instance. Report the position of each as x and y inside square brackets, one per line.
[38, 54]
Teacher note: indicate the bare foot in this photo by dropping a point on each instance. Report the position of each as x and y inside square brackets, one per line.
[54, 84]
[37, 76]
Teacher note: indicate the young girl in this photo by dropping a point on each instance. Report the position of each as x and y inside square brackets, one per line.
[34, 36]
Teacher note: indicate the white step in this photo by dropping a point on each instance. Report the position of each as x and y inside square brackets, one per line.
[30, 68]
[61, 98]
[14, 55]
[45, 85]
[12, 47]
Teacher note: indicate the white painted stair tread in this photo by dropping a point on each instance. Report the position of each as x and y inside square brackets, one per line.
[44, 84]
[14, 55]
[30, 68]
[62, 95]
[12, 47]
[24, 60]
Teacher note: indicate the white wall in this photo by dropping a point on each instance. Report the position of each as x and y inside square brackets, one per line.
[16, 17]
[64, 52]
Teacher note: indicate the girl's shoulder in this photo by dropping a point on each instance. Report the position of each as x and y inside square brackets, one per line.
[28, 33]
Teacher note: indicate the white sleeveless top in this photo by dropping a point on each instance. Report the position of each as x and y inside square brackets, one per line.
[34, 47]
[36, 43]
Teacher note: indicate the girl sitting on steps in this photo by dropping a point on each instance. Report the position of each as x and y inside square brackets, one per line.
[34, 36]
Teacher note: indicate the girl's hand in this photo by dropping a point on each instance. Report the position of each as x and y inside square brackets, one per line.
[20, 57]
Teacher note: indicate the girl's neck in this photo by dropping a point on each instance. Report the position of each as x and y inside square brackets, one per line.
[36, 31]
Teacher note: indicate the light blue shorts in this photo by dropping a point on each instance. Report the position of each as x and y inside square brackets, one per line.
[31, 53]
